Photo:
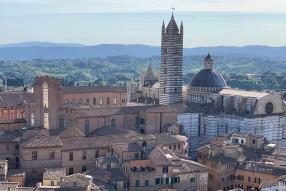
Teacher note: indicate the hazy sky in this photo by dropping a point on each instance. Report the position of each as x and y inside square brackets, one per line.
[206, 22]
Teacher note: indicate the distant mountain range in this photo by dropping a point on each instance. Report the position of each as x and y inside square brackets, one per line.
[47, 50]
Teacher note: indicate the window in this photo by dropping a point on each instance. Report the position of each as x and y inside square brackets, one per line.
[165, 70]
[46, 120]
[249, 179]
[175, 90]
[45, 95]
[101, 101]
[146, 183]
[52, 183]
[52, 154]
[71, 156]
[115, 186]
[165, 169]
[94, 101]
[167, 180]
[87, 100]
[174, 147]
[70, 171]
[165, 50]
[176, 180]
[34, 155]
[7, 147]
[137, 183]
[86, 127]
[192, 179]
[83, 155]
[107, 100]
[176, 71]
[136, 155]
[96, 153]
[157, 181]
[257, 180]
[113, 123]
[142, 121]
[240, 177]
[32, 119]
[179, 146]
[115, 101]
[253, 141]
[83, 168]
[61, 123]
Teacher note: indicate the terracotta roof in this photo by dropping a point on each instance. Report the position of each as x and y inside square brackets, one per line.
[54, 174]
[91, 89]
[185, 164]
[115, 174]
[5, 186]
[51, 141]
[162, 156]
[106, 131]
[71, 132]
[167, 139]
[91, 142]
[13, 99]
[131, 147]
[268, 184]
[221, 159]
[16, 172]
[108, 111]
[242, 93]
[82, 179]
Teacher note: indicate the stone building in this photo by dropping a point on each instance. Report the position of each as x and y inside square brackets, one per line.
[205, 83]
[237, 161]
[214, 109]
[171, 63]
[15, 109]
[76, 153]
[50, 98]
[143, 119]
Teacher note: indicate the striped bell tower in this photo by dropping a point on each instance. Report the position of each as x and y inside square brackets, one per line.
[171, 63]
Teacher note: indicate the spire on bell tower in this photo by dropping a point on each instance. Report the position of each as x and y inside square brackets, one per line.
[181, 28]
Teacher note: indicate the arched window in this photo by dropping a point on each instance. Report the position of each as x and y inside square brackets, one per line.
[144, 144]
[45, 95]
[46, 120]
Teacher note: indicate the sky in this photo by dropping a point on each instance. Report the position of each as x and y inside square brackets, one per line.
[91, 22]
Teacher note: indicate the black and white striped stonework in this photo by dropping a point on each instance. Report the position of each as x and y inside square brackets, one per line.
[171, 63]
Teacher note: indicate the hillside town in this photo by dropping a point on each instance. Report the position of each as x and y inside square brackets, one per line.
[158, 134]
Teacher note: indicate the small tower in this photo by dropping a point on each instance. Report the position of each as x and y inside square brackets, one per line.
[171, 63]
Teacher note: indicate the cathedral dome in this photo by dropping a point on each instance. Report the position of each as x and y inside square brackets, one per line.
[208, 78]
